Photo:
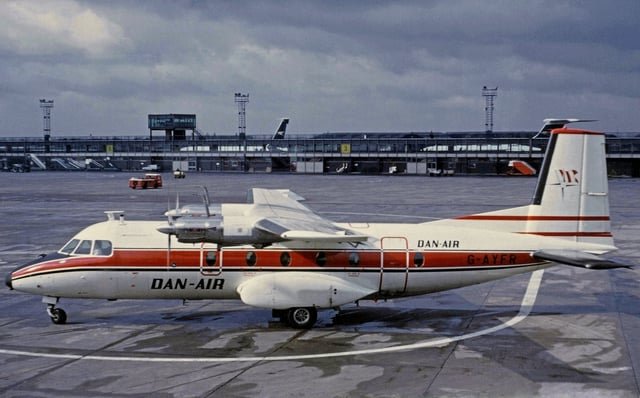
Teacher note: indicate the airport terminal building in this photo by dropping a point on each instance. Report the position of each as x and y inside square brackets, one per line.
[415, 153]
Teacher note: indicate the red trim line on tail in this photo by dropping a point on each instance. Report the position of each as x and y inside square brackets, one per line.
[480, 217]
[575, 131]
[586, 234]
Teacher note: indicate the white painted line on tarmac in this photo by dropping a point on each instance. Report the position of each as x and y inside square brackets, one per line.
[528, 300]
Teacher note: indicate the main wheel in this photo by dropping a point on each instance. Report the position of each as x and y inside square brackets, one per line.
[58, 316]
[302, 317]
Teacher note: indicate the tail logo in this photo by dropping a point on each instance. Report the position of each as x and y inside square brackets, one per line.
[567, 178]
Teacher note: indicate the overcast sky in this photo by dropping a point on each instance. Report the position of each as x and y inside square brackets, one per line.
[328, 65]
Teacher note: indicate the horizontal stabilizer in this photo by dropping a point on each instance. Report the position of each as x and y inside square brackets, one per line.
[281, 290]
[578, 258]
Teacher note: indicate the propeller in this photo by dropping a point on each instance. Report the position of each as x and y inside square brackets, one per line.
[205, 199]
[170, 220]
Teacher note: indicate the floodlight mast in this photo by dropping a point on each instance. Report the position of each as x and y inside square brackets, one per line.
[241, 100]
[46, 106]
[489, 95]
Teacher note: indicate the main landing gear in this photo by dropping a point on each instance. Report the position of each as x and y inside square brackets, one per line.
[297, 317]
[57, 315]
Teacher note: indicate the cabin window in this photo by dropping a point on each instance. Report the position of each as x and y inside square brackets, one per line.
[102, 248]
[251, 259]
[84, 247]
[70, 247]
[418, 259]
[211, 259]
[354, 258]
[321, 259]
[285, 259]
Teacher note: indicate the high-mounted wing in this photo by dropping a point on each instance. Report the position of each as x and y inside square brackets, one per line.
[270, 216]
[281, 216]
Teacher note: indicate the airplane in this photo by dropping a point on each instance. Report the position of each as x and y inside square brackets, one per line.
[281, 130]
[275, 253]
[278, 135]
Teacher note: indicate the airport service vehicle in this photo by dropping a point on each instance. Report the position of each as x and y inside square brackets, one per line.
[179, 174]
[520, 168]
[150, 180]
[275, 253]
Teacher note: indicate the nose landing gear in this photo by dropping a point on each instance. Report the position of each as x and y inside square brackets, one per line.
[57, 315]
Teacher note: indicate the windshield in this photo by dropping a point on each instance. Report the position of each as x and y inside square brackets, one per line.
[87, 247]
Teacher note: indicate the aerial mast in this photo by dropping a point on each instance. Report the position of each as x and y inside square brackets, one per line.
[489, 95]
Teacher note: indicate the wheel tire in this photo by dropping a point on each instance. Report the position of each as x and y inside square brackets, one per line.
[302, 317]
[58, 316]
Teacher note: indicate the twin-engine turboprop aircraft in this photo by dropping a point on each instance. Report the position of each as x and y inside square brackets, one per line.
[275, 253]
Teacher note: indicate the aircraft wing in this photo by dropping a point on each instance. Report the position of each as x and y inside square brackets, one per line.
[578, 258]
[280, 215]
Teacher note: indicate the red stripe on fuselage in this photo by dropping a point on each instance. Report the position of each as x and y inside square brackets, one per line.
[134, 260]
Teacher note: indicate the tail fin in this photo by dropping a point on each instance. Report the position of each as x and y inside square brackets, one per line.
[571, 198]
[281, 130]
[573, 189]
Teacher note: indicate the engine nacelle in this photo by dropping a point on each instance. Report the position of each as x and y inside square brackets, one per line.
[222, 230]
[197, 229]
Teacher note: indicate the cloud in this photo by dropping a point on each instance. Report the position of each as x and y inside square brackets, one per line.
[35, 29]
[330, 66]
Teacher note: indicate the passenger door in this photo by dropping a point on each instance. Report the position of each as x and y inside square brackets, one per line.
[394, 265]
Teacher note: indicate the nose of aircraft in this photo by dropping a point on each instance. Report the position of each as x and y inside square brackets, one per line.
[7, 281]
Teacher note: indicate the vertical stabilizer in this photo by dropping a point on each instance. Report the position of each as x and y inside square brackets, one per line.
[281, 130]
[571, 199]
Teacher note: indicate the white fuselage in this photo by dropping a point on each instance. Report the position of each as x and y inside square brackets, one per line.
[399, 260]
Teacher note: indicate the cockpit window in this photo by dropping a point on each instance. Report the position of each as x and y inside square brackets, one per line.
[84, 247]
[102, 248]
[96, 248]
[69, 247]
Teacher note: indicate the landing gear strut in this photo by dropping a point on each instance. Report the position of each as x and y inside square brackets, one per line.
[57, 315]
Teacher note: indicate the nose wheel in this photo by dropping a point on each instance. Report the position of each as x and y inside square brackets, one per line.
[57, 315]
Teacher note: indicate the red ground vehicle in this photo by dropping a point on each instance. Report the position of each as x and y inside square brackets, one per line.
[148, 181]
